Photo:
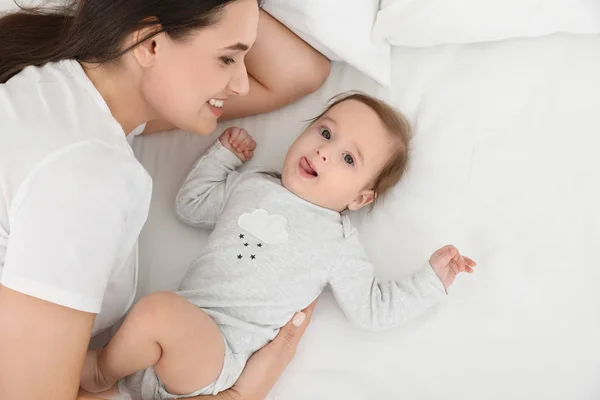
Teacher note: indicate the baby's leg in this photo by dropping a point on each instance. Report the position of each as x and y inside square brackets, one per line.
[163, 330]
[110, 394]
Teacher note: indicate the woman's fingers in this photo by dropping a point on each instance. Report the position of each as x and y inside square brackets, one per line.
[266, 365]
[308, 311]
[294, 330]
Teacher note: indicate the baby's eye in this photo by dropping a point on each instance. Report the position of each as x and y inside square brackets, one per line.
[325, 133]
[349, 159]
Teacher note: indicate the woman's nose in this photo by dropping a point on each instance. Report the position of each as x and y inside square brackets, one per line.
[239, 83]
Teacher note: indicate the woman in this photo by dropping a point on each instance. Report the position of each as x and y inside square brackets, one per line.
[73, 84]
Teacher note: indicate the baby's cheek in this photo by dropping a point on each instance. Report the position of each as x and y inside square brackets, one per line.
[335, 189]
[348, 180]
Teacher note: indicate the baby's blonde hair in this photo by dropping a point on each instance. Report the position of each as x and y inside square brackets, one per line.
[399, 129]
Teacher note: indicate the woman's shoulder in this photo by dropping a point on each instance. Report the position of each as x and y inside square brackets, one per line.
[87, 170]
[50, 118]
[52, 105]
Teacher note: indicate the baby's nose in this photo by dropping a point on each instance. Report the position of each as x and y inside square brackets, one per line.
[322, 155]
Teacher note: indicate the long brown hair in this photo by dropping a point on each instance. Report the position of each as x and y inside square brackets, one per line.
[93, 30]
[399, 129]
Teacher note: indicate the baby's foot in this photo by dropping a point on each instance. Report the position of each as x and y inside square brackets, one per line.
[92, 378]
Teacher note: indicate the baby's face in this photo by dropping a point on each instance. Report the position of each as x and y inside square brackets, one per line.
[334, 161]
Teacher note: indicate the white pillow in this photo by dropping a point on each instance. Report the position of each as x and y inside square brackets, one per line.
[423, 23]
[340, 29]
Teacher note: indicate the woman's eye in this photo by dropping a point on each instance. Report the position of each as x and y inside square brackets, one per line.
[325, 133]
[349, 159]
[227, 60]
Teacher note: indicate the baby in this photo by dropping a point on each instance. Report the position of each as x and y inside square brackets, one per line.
[278, 241]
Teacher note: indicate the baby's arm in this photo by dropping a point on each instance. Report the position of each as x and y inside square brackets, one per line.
[377, 305]
[202, 196]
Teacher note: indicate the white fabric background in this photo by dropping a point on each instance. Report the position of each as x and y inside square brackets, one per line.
[423, 23]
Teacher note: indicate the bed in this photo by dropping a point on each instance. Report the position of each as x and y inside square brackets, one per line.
[505, 166]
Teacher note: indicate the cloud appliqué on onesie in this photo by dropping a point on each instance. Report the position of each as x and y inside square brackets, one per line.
[268, 229]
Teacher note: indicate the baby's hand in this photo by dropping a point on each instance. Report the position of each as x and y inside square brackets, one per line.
[239, 142]
[447, 262]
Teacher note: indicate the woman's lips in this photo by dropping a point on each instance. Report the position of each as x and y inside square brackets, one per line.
[218, 111]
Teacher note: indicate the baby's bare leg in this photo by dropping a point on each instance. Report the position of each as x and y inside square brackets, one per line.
[163, 330]
[110, 394]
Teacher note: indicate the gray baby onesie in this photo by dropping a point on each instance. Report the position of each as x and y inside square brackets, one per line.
[270, 255]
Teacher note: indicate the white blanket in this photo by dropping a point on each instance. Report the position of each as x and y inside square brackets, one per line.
[505, 167]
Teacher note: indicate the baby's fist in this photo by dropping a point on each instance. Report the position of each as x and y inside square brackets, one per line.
[239, 142]
[447, 262]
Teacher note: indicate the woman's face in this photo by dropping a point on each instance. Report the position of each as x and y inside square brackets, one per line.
[188, 81]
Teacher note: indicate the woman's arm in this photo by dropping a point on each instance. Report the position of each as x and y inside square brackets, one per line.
[282, 68]
[42, 347]
[77, 213]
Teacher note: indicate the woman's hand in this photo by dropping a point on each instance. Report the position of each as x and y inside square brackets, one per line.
[282, 68]
[266, 365]
[447, 262]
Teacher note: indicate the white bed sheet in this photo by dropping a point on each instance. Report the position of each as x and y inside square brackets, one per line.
[505, 166]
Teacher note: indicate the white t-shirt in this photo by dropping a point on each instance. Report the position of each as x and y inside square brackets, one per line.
[73, 198]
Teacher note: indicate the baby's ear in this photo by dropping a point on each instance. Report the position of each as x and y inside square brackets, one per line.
[365, 197]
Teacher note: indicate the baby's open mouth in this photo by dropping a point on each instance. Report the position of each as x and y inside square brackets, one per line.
[307, 167]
